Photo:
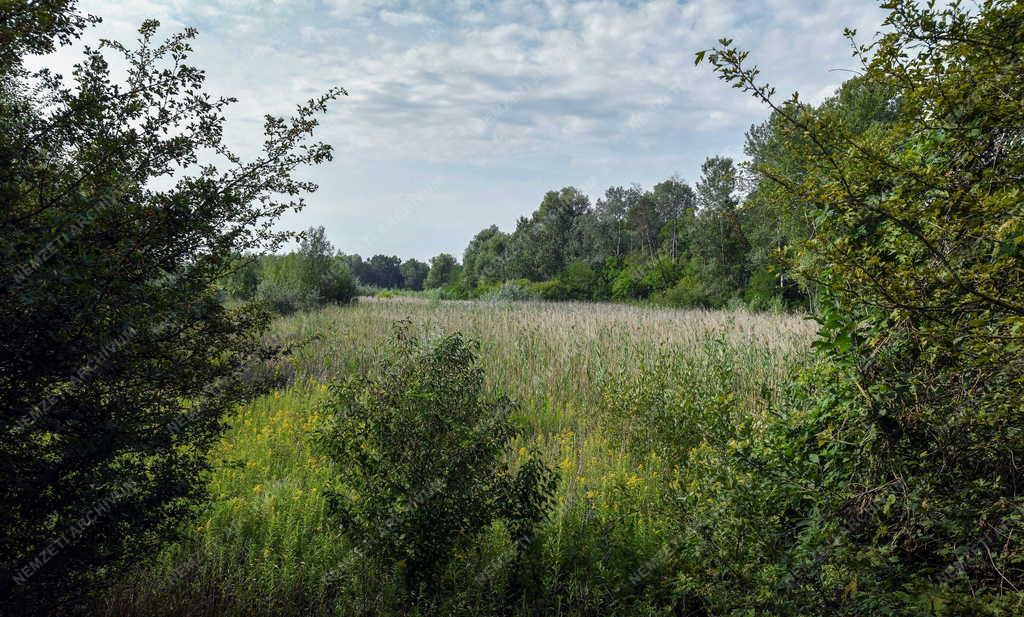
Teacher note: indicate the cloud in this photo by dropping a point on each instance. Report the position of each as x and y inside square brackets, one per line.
[516, 94]
[409, 18]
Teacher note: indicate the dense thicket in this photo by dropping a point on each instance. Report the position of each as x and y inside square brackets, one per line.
[892, 484]
[304, 279]
[117, 358]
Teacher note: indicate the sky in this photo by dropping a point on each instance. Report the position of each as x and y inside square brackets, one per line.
[462, 114]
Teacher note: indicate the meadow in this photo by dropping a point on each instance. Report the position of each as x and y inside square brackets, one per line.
[599, 388]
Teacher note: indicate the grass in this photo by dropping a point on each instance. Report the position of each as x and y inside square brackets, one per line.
[586, 377]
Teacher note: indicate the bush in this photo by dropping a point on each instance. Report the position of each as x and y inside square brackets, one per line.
[510, 291]
[282, 297]
[687, 292]
[118, 358]
[337, 286]
[578, 281]
[423, 461]
[897, 476]
[550, 290]
[762, 291]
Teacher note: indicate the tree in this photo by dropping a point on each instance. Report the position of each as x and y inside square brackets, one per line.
[356, 266]
[36, 28]
[322, 278]
[676, 204]
[117, 359]
[542, 245]
[443, 269]
[386, 271]
[918, 249]
[611, 234]
[484, 259]
[645, 219]
[773, 218]
[720, 242]
[424, 459]
[414, 274]
[243, 278]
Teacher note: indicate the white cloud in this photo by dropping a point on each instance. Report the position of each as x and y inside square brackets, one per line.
[408, 18]
[529, 91]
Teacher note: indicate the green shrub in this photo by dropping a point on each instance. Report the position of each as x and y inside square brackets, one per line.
[510, 291]
[892, 485]
[578, 281]
[762, 291]
[424, 462]
[687, 292]
[550, 290]
[280, 296]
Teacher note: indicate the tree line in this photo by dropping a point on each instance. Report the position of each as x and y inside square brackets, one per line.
[885, 481]
[727, 240]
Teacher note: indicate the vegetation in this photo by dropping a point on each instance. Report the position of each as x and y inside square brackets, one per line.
[915, 435]
[510, 457]
[303, 279]
[117, 359]
[579, 374]
[403, 504]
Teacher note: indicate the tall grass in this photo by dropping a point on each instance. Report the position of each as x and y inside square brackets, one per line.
[587, 377]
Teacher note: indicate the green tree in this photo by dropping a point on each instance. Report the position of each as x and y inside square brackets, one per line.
[243, 279]
[414, 274]
[323, 277]
[611, 235]
[385, 271]
[773, 218]
[443, 271]
[542, 245]
[903, 476]
[646, 220]
[117, 358]
[484, 259]
[719, 241]
[424, 458]
[677, 204]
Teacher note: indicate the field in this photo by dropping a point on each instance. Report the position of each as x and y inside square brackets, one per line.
[593, 384]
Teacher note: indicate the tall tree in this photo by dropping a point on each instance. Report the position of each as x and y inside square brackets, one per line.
[117, 359]
[385, 271]
[676, 204]
[414, 274]
[646, 221]
[774, 219]
[720, 242]
[484, 258]
[612, 234]
[443, 270]
[542, 245]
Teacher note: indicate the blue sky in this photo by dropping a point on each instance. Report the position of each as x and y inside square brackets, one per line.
[462, 114]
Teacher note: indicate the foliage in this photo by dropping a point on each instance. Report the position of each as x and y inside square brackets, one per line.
[911, 436]
[543, 244]
[443, 271]
[635, 244]
[414, 274]
[300, 280]
[484, 259]
[688, 291]
[580, 372]
[412, 506]
[117, 359]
